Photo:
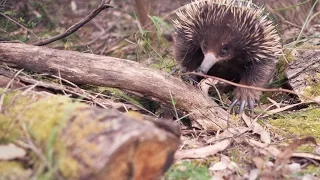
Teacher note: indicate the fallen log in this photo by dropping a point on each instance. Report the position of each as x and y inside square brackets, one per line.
[75, 141]
[83, 68]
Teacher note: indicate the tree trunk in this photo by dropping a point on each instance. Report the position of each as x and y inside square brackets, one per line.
[143, 10]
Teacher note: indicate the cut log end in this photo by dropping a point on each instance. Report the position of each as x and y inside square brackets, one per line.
[146, 160]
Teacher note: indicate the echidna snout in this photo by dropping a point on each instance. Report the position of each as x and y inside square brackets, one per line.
[208, 61]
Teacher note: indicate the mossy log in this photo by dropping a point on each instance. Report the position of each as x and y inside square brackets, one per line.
[75, 141]
[83, 68]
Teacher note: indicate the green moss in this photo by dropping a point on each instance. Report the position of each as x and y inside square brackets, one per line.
[40, 114]
[13, 170]
[121, 94]
[165, 64]
[283, 62]
[310, 169]
[188, 170]
[300, 124]
[45, 117]
[313, 90]
[235, 154]
[69, 167]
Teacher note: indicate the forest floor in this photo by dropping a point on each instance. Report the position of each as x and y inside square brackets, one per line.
[116, 32]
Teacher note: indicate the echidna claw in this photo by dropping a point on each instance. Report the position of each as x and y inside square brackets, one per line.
[251, 104]
[234, 102]
[193, 79]
[242, 104]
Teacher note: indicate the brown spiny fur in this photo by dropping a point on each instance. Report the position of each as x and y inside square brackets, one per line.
[252, 41]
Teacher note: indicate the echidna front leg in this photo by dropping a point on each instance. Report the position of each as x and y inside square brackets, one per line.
[256, 74]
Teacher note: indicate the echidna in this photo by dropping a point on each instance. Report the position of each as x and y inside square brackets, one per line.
[230, 39]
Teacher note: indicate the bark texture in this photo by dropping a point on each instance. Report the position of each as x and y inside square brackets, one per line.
[304, 72]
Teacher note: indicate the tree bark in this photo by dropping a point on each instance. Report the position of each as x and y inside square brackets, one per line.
[143, 10]
[82, 68]
[303, 73]
[90, 142]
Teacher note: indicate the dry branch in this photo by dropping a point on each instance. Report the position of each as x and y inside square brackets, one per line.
[82, 68]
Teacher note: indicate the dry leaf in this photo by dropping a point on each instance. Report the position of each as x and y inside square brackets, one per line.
[225, 167]
[217, 177]
[284, 156]
[294, 167]
[11, 151]
[204, 151]
[309, 177]
[257, 128]
[219, 166]
[265, 149]
[206, 84]
[259, 162]
[274, 102]
[318, 149]
[254, 173]
[73, 5]
[226, 139]
[228, 133]
[306, 155]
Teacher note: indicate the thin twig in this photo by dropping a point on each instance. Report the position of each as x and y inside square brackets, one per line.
[30, 88]
[16, 22]
[103, 5]
[7, 87]
[60, 81]
[253, 87]
[174, 105]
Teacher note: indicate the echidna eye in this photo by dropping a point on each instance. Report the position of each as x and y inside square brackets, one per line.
[223, 52]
